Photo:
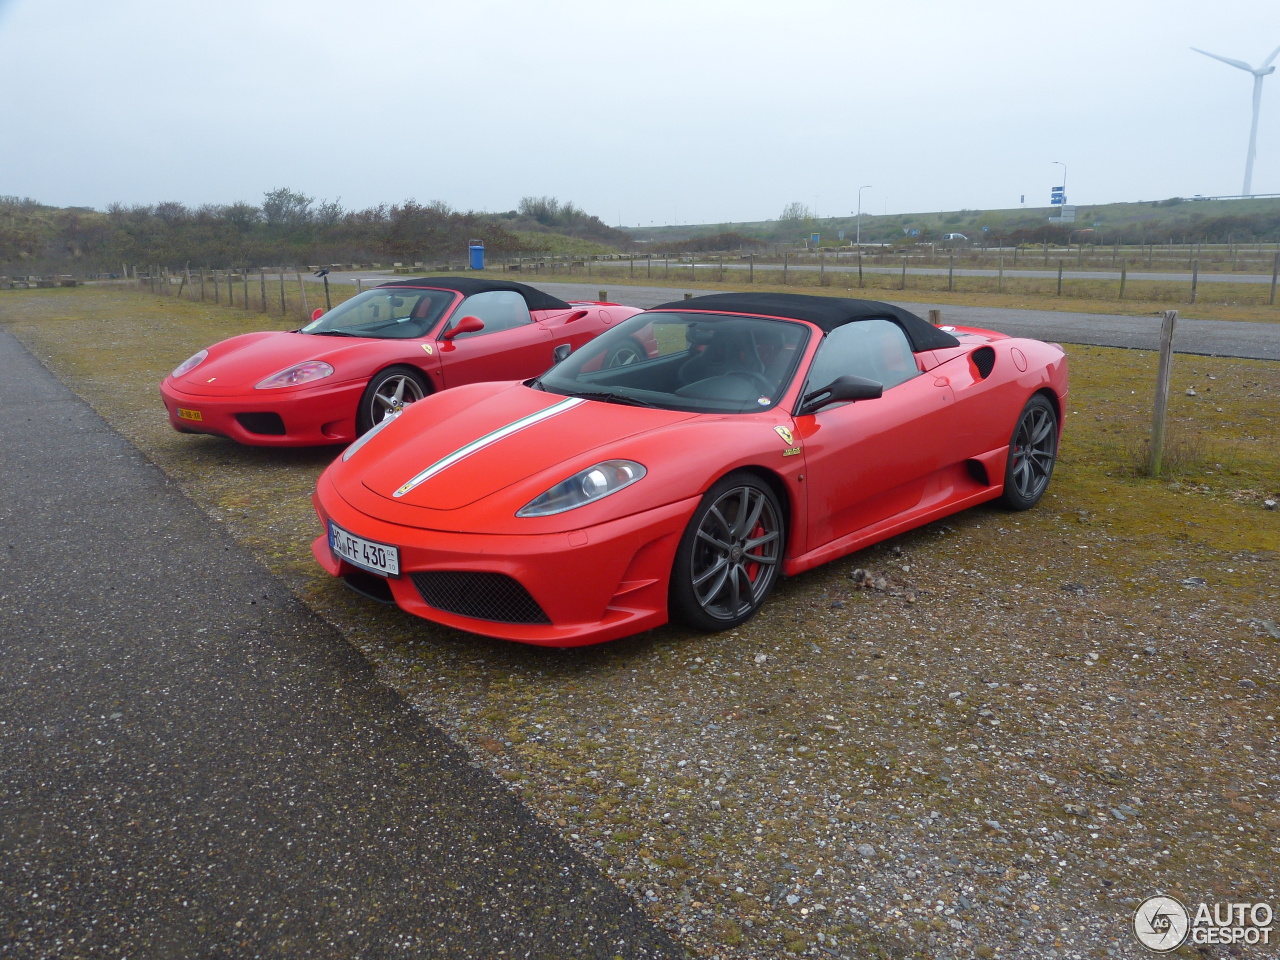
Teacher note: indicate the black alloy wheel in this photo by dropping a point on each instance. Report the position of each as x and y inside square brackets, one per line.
[730, 555]
[1032, 453]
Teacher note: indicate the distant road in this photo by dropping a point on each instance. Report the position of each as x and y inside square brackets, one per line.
[1221, 338]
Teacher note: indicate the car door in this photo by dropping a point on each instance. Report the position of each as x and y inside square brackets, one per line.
[870, 460]
[509, 347]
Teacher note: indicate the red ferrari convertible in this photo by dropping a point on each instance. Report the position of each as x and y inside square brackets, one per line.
[367, 358]
[749, 436]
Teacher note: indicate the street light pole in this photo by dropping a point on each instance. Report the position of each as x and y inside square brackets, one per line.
[858, 242]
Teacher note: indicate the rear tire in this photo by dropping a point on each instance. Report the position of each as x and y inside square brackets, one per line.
[389, 392]
[1033, 450]
[730, 555]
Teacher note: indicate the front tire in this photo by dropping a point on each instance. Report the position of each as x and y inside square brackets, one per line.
[1033, 450]
[730, 555]
[389, 392]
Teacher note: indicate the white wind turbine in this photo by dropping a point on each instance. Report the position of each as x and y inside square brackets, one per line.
[1258, 74]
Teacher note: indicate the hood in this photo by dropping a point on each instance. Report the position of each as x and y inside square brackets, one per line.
[509, 436]
[241, 363]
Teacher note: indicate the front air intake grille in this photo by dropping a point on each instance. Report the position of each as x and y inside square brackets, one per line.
[984, 358]
[268, 424]
[483, 596]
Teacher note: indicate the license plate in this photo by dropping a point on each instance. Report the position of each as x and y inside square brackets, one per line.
[380, 558]
[190, 414]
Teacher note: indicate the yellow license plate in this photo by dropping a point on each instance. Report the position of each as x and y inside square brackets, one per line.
[190, 414]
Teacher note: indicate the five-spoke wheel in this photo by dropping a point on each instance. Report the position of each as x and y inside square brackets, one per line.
[730, 554]
[387, 394]
[1032, 452]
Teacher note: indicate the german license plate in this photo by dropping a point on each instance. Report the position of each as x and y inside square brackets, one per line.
[379, 558]
[185, 414]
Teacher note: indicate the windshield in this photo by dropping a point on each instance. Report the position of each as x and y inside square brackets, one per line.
[714, 363]
[397, 313]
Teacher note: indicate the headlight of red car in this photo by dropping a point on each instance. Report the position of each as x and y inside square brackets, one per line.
[189, 364]
[585, 486]
[297, 375]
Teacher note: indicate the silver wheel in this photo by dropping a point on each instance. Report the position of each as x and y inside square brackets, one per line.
[387, 394]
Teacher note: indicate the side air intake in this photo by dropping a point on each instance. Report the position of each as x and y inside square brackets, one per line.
[984, 358]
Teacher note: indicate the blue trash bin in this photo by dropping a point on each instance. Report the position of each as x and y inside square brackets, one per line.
[476, 249]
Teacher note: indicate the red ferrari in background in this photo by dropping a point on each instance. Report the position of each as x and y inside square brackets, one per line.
[750, 436]
[368, 357]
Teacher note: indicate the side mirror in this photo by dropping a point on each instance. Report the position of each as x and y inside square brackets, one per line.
[317, 313]
[465, 325]
[840, 390]
[562, 351]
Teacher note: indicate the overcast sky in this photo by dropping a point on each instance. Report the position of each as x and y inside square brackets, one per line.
[689, 111]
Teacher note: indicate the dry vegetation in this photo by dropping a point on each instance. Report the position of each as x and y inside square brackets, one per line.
[992, 736]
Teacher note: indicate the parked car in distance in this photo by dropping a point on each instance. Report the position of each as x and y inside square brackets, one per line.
[751, 436]
[369, 357]
[955, 236]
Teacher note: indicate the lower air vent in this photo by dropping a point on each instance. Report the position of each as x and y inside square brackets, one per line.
[984, 358]
[269, 424]
[483, 596]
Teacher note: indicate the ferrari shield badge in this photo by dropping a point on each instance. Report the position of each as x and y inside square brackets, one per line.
[789, 439]
[427, 347]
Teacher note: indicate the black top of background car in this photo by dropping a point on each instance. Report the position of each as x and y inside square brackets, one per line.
[826, 312]
[536, 299]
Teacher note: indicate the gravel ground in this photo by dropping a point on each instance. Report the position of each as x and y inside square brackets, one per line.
[993, 736]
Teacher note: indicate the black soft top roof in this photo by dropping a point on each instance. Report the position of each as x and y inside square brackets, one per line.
[827, 312]
[536, 299]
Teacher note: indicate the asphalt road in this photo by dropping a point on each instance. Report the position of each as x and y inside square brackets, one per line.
[1219, 338]
[192, 764]
[1224, 338]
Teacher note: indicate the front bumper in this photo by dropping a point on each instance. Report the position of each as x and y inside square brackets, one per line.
[308, 417]
[593, 585]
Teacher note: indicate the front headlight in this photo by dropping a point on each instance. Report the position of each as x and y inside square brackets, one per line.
[296, 375]
[585, 486]
[189, 364]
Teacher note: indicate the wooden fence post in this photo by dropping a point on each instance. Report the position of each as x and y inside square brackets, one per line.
[1275, 270]
[302, 289]
[262, 280]
[283, 307]
[1195, 278]
[1059, 278]
[1124, 275]
[648, 266]
[1165, 370]
[245, 277]
[935, 317]
[202, 283]
[217, 290]
[1000, 278]
[751, 271]
[951, 272]
[902, 285]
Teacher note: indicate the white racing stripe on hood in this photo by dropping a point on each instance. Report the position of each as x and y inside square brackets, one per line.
[488, 439]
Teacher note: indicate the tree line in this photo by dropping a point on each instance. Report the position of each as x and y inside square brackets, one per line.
[287, 228]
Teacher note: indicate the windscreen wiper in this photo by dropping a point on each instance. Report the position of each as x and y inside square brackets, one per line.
[613, 398]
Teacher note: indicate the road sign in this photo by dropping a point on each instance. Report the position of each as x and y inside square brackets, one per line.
[1058, 196]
